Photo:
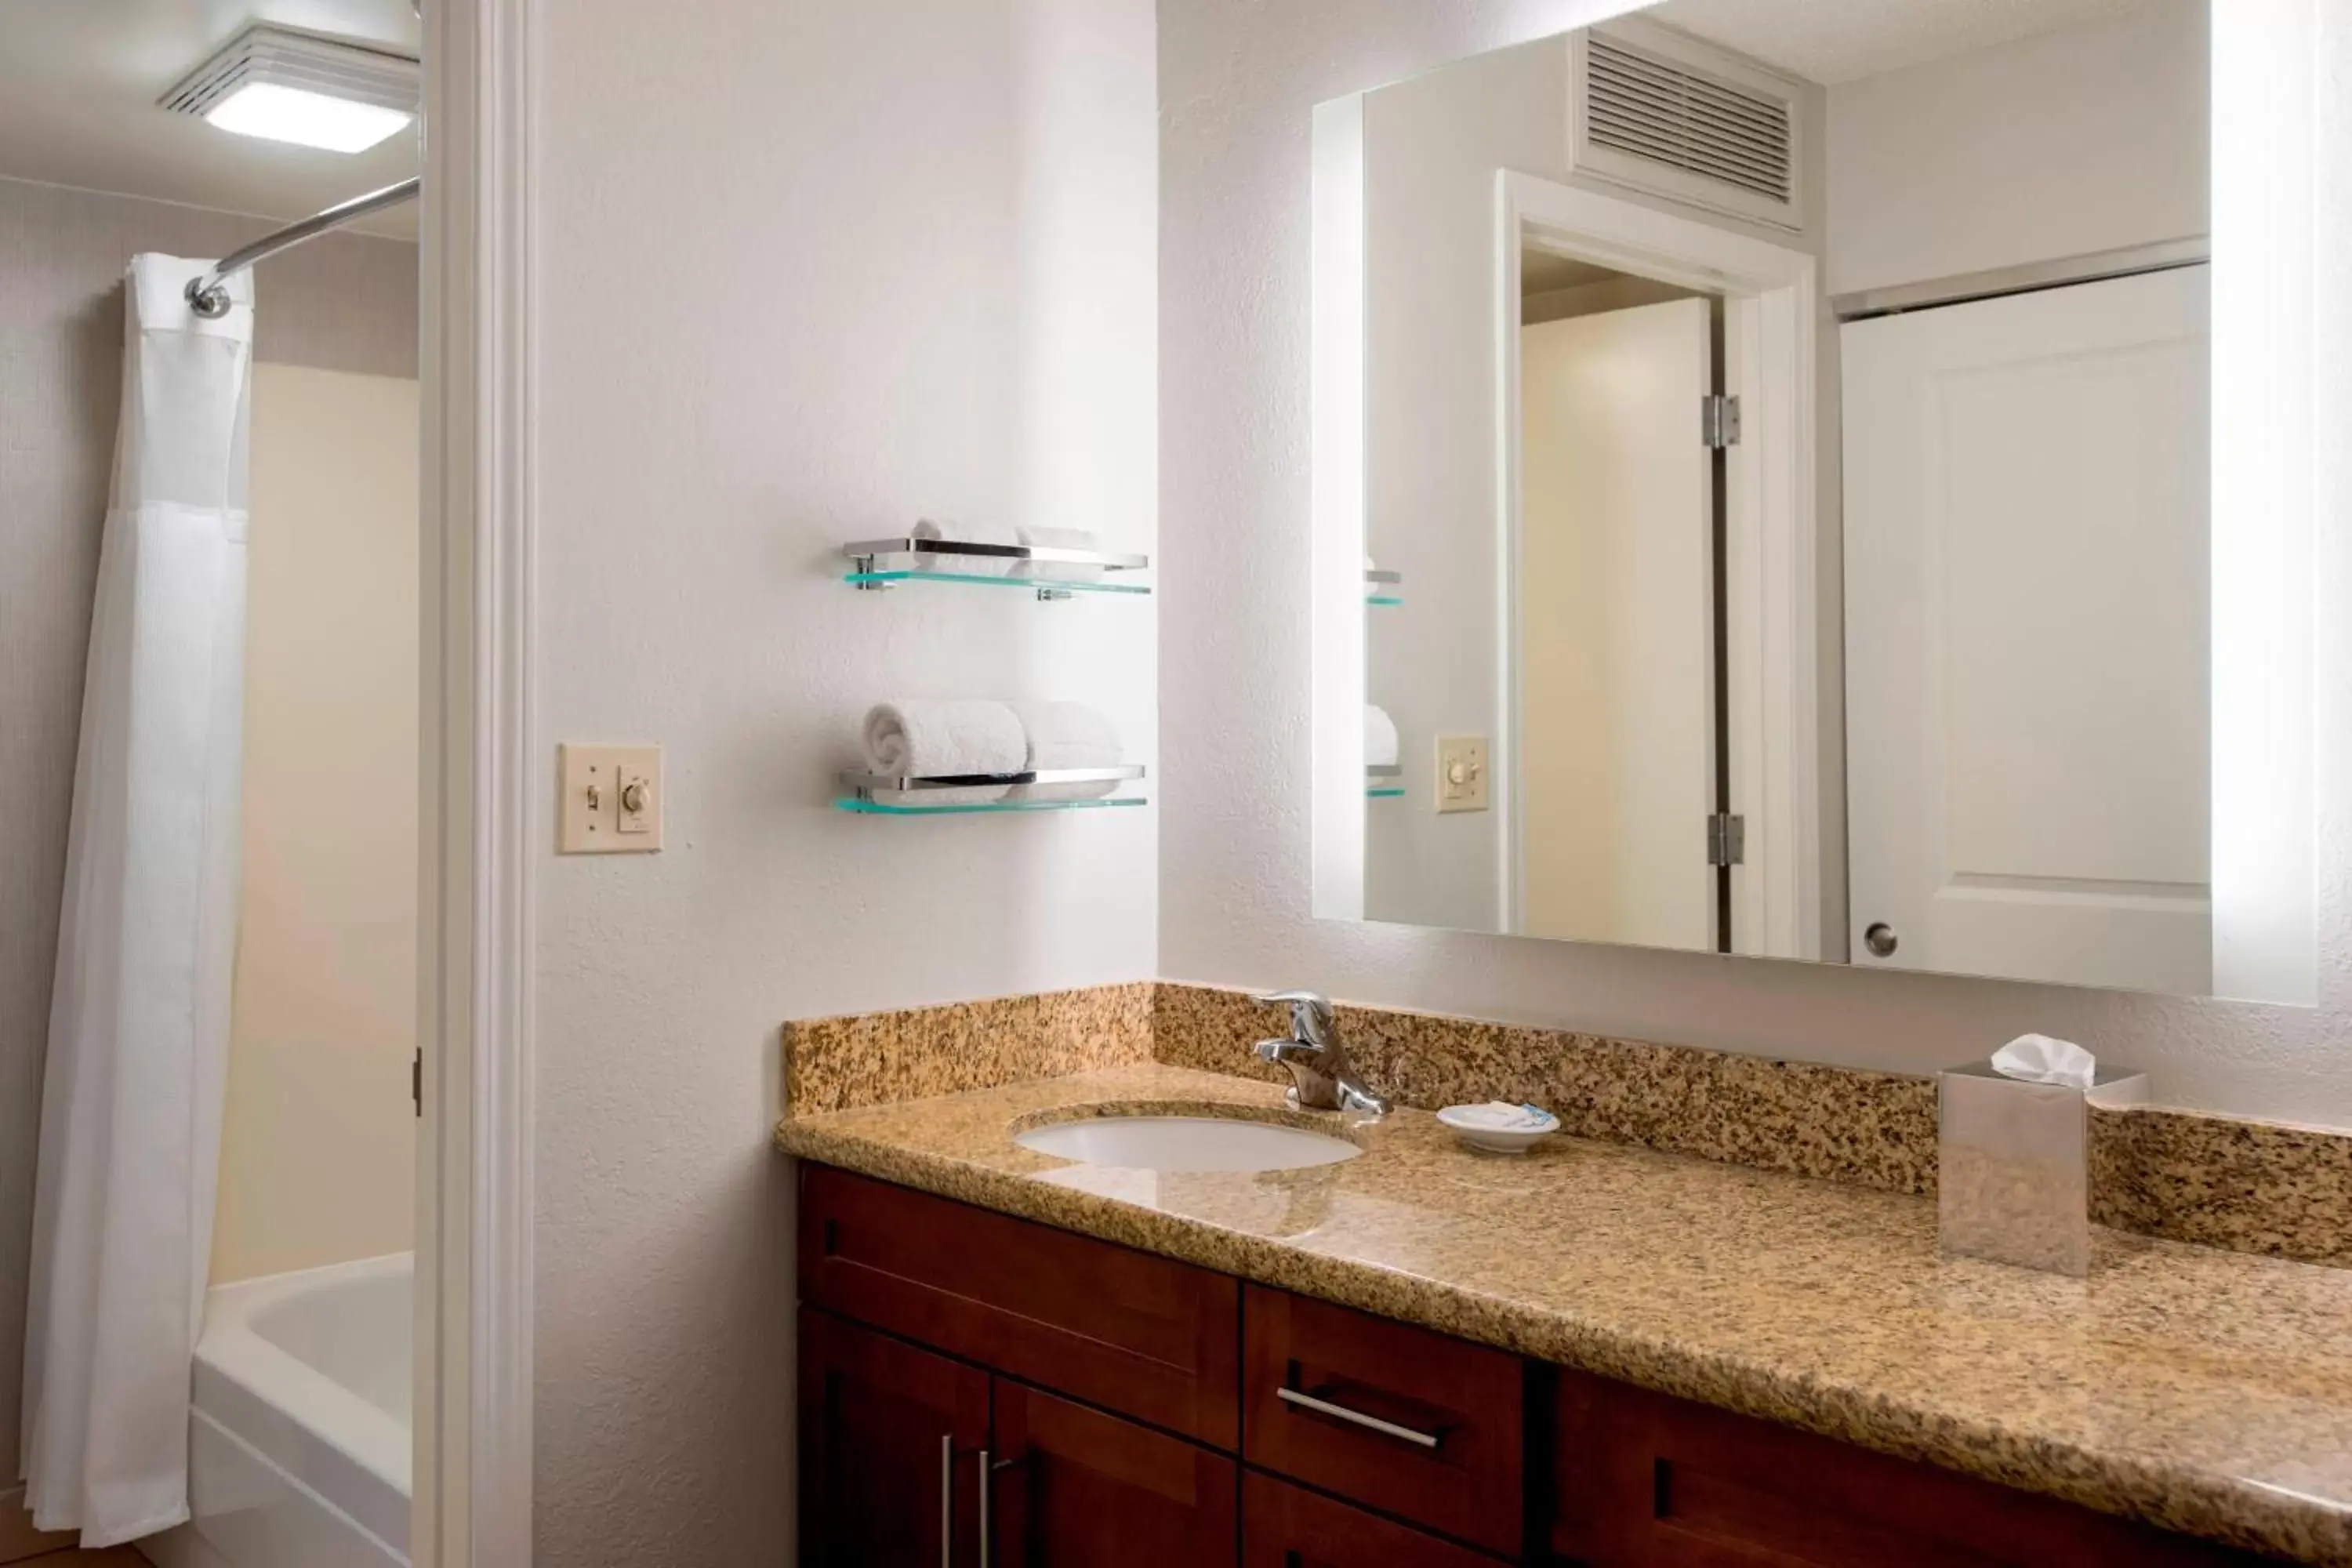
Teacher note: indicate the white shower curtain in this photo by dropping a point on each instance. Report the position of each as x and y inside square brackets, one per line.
[130, 1110]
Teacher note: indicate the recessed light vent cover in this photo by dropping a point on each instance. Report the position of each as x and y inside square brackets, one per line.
[1666, 113]
[283, 58]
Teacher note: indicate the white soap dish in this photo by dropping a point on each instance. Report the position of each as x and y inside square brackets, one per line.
[1497, 1128]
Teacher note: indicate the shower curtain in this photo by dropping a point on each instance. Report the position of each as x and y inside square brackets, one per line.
[130, 1108]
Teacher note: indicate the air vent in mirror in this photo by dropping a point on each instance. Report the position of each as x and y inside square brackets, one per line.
[1679, 118]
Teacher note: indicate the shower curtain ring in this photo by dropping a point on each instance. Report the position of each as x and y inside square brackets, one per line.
[211, 303]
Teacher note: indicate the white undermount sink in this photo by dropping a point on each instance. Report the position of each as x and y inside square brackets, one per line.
[1186, 1143]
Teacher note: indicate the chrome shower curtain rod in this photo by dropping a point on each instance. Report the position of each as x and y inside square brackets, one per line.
[209, 300]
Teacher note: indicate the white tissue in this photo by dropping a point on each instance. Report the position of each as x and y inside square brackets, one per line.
[2038, 1059]
[1499, 1116]
[1380, 738]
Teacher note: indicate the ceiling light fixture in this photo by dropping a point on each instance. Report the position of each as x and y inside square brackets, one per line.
[286, 86]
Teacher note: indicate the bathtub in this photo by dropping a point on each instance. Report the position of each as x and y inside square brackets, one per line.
[299, 1447]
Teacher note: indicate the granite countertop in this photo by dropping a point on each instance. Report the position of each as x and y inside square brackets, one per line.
[2205, 1390]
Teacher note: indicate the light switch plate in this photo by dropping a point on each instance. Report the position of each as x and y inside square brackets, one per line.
[1461, 773]
[612, 800]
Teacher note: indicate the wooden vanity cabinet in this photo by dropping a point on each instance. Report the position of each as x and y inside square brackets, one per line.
[1287, 1526]
[1647, 1481]
[1073, 1485]
[1387, 1415]
[897, 1444]
[1097, 1405]
[888, 1439]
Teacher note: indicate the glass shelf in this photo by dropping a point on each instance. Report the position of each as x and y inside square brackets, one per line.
[1384, 599]
[1392, 793]
[863, 786]
[879, 564]
[878, 809]
[1043, 587]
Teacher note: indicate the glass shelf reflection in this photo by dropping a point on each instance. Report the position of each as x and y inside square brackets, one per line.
[1037, 585]
[966, 808]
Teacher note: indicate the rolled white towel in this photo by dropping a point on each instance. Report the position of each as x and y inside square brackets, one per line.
[1067, 735]
[1058, 539]
[1380, 738]
[918, 739]
[968, 533]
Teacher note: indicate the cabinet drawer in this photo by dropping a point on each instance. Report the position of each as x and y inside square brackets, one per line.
[1284, 1526]
[1664, 1483]
[1147, 1336]
[1414, 1423]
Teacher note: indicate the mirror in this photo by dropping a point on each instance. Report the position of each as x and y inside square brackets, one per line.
[1766, 499]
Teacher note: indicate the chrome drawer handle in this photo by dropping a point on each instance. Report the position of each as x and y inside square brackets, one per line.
[987, 1481]
[1325, 1407]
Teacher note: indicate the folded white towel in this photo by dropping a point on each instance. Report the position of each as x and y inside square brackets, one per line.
[1380, 738]
[1059, 538]
[968, 533]
[1067, 735]
[931, 739]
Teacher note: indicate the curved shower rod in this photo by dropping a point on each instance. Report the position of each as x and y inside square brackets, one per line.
[210, 300]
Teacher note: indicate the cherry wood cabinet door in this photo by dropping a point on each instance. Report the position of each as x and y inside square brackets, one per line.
[1284, 1526]
[890, 1442]
[1074, 1488]
[1646, 1481]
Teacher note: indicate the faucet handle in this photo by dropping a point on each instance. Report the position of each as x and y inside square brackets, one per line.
[1310, 1015]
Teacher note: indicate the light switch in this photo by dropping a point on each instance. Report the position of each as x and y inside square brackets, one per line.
[612, 800]
[1462, 772]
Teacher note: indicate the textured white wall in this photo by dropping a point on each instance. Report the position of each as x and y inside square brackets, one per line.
[1237, 81]
[806, 273]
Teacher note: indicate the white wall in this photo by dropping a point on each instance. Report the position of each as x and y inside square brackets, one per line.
[2089, 138]
[1238, 81]
[318, 1141]
[806, 273]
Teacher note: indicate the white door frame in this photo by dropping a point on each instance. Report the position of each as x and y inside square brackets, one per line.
[1770, 314]
[477, 819]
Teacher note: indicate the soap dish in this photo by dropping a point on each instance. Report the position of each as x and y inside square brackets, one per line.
[1484, 1128]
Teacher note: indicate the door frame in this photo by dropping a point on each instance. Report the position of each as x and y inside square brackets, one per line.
[1771, 340]
[477, 820]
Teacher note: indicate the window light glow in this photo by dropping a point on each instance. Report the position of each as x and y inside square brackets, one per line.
[311, 119]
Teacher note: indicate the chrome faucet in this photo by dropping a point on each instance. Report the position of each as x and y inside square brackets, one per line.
[1322, 1077]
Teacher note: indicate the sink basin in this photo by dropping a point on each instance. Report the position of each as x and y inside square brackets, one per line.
[1187, 1143]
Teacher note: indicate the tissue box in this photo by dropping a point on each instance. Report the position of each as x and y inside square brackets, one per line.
[2012, 1170]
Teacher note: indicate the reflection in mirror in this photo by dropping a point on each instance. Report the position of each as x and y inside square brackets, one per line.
[1787, 425]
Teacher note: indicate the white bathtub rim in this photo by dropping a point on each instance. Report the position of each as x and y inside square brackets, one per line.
[264, 1381]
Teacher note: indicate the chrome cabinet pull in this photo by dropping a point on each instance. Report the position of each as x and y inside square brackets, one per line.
[986, 1482]
[1881, 940]
[947, 1500]
[1340, 1412]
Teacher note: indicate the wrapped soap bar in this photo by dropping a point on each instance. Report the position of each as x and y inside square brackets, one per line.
[2012, 1170]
